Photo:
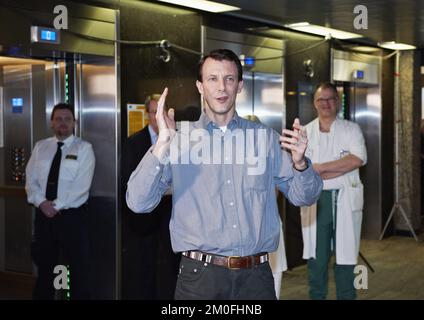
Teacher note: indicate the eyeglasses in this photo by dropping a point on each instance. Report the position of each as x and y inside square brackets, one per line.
[322, 100]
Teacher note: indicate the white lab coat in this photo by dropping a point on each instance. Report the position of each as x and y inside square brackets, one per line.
[277, 259]
[346, 138]
[278, 262]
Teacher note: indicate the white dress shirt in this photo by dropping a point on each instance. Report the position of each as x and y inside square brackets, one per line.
[75, 175]
[153, 135]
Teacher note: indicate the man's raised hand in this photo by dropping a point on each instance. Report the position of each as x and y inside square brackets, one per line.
[166, 125]
[296, 141]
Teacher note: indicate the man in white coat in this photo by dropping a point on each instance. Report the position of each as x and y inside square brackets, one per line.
[333, 224]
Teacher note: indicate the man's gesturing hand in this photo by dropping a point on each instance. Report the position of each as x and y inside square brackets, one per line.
[166, 125]
[296, 141]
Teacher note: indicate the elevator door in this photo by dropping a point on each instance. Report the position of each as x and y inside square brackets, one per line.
[361, 104]
[23, 84]
[262, 96]
[28, 91]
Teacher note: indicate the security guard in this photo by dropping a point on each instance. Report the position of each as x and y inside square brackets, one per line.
[59, 175]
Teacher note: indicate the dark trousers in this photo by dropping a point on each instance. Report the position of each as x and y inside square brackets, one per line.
[149, 266]
[65, 234]
[318, 267]
[158, 268]
[199, 280]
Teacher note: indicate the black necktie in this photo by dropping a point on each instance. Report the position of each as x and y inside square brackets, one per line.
[51, 190]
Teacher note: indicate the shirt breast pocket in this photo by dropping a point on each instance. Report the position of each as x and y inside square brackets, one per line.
[68, 169]
[41, 170]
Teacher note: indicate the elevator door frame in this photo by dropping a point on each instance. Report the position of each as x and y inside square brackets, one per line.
[101, 107]
[366, 97]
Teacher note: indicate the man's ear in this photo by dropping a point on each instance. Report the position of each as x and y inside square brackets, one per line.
[199, 86]
[240, 86]
[315, 105]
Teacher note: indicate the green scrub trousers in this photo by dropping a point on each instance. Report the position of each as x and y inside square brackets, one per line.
[318, 268]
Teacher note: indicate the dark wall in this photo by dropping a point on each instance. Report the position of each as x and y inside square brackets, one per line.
[142, 73]
[83, 20]
[299, 91]
[387, 137]
[299, 87]
[232, 24]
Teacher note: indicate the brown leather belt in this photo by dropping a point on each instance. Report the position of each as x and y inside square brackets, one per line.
[231, 262]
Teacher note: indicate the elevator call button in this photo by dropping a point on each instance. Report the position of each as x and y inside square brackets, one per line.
[358, 74]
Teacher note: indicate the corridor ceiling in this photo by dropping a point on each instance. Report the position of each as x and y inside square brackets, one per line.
[388, 20]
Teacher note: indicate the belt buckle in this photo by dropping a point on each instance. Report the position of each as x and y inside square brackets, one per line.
[229, 262]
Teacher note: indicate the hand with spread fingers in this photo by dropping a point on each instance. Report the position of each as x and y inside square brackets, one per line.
[296, 141]
[166, 125]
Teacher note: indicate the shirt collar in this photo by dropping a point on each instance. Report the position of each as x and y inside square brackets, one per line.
[153, 134]
[67, 141]
[205, 123]
[151, 131]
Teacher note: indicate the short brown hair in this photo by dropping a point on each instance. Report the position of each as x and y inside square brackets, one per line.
[219, 55]
[326, 85]
[150, 98]
[62, 106]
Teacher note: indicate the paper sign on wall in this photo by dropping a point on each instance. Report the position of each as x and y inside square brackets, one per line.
[137, 117]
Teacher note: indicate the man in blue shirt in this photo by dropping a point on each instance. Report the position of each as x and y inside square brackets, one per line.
[223, 170]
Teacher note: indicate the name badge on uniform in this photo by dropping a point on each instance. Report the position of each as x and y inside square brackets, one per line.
[344, 153]
[71, 156]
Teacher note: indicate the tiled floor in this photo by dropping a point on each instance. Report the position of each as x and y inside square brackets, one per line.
[399, 272]
[398, 264]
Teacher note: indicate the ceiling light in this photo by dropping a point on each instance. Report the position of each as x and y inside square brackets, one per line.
[392, 45]
[203, 5]
[322, 31]
[364, 49]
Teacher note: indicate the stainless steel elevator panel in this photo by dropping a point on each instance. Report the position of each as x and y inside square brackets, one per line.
[17, 120]
[268, 99]
[55, 89]
[259, 47]
[364, 106]
[343, 71]
[98, 121]
[366, 112]
[17, 113]
[244, 105]
[99, 124]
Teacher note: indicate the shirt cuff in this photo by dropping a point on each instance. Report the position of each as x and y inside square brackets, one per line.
[153, 163]
[308, 171]
[58, 205]
[39, 200]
